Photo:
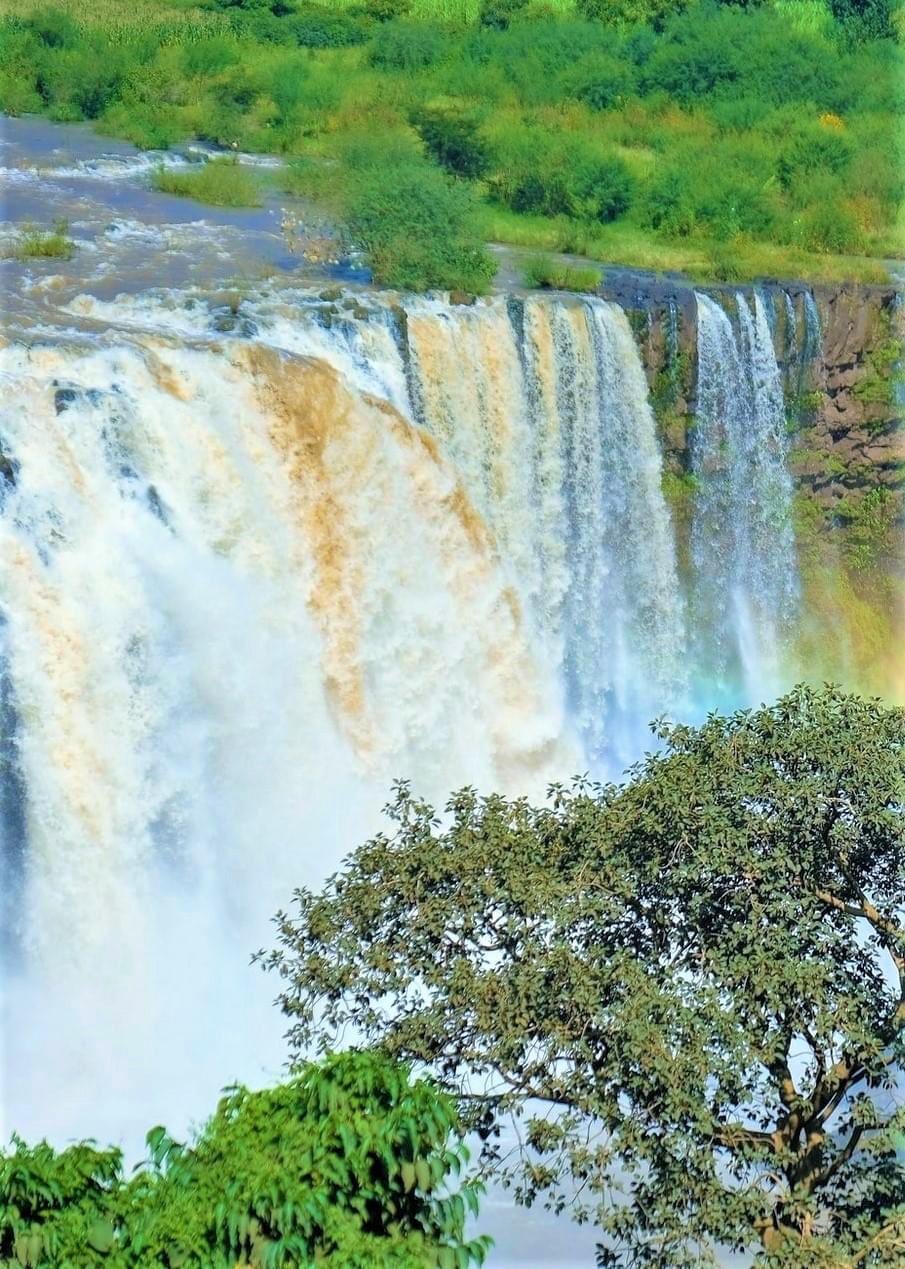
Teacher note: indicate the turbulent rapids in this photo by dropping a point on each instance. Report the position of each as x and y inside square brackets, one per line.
[250, 575]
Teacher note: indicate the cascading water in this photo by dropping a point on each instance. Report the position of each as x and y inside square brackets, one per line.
[745, 575]
[245, 581]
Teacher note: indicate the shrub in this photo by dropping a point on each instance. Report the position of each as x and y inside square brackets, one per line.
[557, 275]
[607, 85]
[222, 182]
[18, 95]
[314, 27]
[351, 1162]
[208, 57]
[668, 203]
[453, 138]
[415, 223]
[829, 228]
[386, 10]
[864, 20]
[496, 15]
[407, 46]
[813, 147]
[54, 28]
[652, 13]
[563, 177]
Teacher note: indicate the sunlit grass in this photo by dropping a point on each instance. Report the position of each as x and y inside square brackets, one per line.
[34, 243]
[221, 182]
[557, 275]
[701, 259]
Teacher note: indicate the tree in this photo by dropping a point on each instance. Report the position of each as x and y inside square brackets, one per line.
[688, 989]
[346, 1165]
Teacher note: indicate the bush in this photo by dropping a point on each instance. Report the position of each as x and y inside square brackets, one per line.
[829, 227]
[351, 1162]
[453, 138]
[407, 46]
[79, 83]
[386, 10]
[606, 86]
[18, 95]
[314, 27]
[221, 182]
[209, 57]
[652, 13]
[496, 15]
[415, 223]
[669, 203]
[54, 28]
[812, 148]
[563, 177]
[864, 20]
[545, 272]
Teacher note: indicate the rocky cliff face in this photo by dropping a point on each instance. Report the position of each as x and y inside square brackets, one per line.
[841, 354]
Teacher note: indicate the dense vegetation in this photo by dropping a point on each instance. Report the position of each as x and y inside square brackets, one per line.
[347, 1165]
[689, 987]
[730, 139]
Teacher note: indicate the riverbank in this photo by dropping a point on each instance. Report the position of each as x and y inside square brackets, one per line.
[431, 138]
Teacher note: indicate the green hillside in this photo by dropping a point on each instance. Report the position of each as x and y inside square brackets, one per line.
[725, 140]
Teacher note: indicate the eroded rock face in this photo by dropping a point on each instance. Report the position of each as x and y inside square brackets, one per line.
[857, 427]
[840, 350]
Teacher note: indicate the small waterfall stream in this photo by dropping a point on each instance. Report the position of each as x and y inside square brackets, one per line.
[745, 583]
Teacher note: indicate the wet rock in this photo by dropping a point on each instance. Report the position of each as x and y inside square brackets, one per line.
[63, 398]
[9, 470]
[155, 504]
[227, 320]
[462, 297]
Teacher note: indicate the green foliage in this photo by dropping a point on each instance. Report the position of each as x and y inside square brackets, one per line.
[57, 1209]
[34, 243]
[570, 178]
[608, 84]
[497, 15]
[689, 986]
[544, 271]
[453, 138]
[222, 182]
[863, 20]
[653, 13]
[883, 370]
[315, 27]
[414, 222]
[871, 526]
[350, 1164]
[407, 46]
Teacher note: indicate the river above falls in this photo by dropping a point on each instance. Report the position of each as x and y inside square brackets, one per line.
[129, 236]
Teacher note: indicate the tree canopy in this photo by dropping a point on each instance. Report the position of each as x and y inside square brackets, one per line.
[350, 1164]
[687, 988]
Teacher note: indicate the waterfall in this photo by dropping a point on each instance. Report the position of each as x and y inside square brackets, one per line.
[250, 575]
[742, 538]
[553, 431]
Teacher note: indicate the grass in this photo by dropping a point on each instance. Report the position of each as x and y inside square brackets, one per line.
[698, 258]
[557, 275]
[220, 182]
[34, 243]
